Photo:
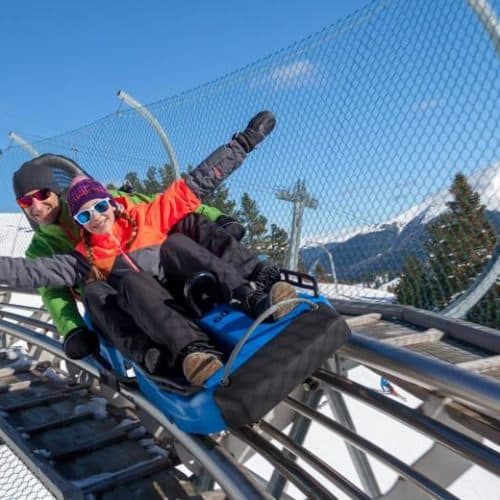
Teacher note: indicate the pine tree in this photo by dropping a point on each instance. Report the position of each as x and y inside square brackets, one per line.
[277, 244]
[476, 235]
[443, 281]
[255, 223]
[413, 288]
[152, 183]
[219, 198]
[459, 244]
[167, 175]
[133, 179]
[487, 310]
[320, 272]
[302, 268]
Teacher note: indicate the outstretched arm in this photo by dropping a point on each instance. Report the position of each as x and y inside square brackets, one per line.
[215, 169]
[60, 302]
[65, 270]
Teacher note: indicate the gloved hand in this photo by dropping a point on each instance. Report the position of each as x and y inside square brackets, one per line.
[232, 226]
[260, 126]
[80, 342]
[126, 187]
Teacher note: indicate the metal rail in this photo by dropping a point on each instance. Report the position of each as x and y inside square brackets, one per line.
[233, 479]
[225, 470]
[311, 487]
[406, 365]
[23, 308]
[394, 463]
[35, 323]
[323, 468]
[454, 440]
[149, 117]
[430, 373]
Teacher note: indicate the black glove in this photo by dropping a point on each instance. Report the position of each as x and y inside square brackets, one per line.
[235, 228]
[126, 187]
[80, 342]
[261, 125]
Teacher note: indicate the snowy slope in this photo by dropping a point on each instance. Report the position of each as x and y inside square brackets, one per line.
[355, 292]
[485, 182]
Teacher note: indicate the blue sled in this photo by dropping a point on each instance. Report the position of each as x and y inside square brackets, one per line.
[270, 363]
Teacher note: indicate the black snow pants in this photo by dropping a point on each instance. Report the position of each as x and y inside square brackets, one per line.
[196, 244]
[139, 315]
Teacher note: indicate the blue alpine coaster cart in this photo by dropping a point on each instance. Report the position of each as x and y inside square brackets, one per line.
[263, 361]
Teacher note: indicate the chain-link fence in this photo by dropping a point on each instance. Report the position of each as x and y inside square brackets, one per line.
[17, 481]
[382, 176]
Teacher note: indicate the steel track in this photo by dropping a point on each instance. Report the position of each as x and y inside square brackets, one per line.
[77, 452]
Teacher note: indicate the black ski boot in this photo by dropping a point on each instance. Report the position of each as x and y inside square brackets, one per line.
[261, 125]
[255, 302]
[265, 275]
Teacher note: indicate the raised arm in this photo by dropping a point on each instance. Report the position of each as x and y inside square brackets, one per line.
[217, 167]
[64, 270]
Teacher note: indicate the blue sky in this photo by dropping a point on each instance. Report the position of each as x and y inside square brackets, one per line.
[377, 112]
[62, 62]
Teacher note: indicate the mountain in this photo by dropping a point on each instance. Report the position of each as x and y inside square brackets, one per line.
[382, 248]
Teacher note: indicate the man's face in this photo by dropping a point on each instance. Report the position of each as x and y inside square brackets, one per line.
[43, 211]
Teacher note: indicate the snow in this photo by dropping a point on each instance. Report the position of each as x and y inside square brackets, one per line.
[343, 235]
[389, 285]
[55, 376]
[21, 361]
[96, 406]
[355, 292]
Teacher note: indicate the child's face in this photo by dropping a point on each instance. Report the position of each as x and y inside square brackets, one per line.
[100, 215]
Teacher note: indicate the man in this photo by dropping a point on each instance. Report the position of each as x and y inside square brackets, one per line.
[39, 194]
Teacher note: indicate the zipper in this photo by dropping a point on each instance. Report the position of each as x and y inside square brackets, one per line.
[127, 257]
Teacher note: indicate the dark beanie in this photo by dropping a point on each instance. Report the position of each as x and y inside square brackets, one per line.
[32, 175]
[83, 189]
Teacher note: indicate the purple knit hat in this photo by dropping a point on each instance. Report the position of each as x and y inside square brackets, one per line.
[83, 189]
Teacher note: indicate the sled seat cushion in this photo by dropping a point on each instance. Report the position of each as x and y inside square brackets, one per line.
[280, 365]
